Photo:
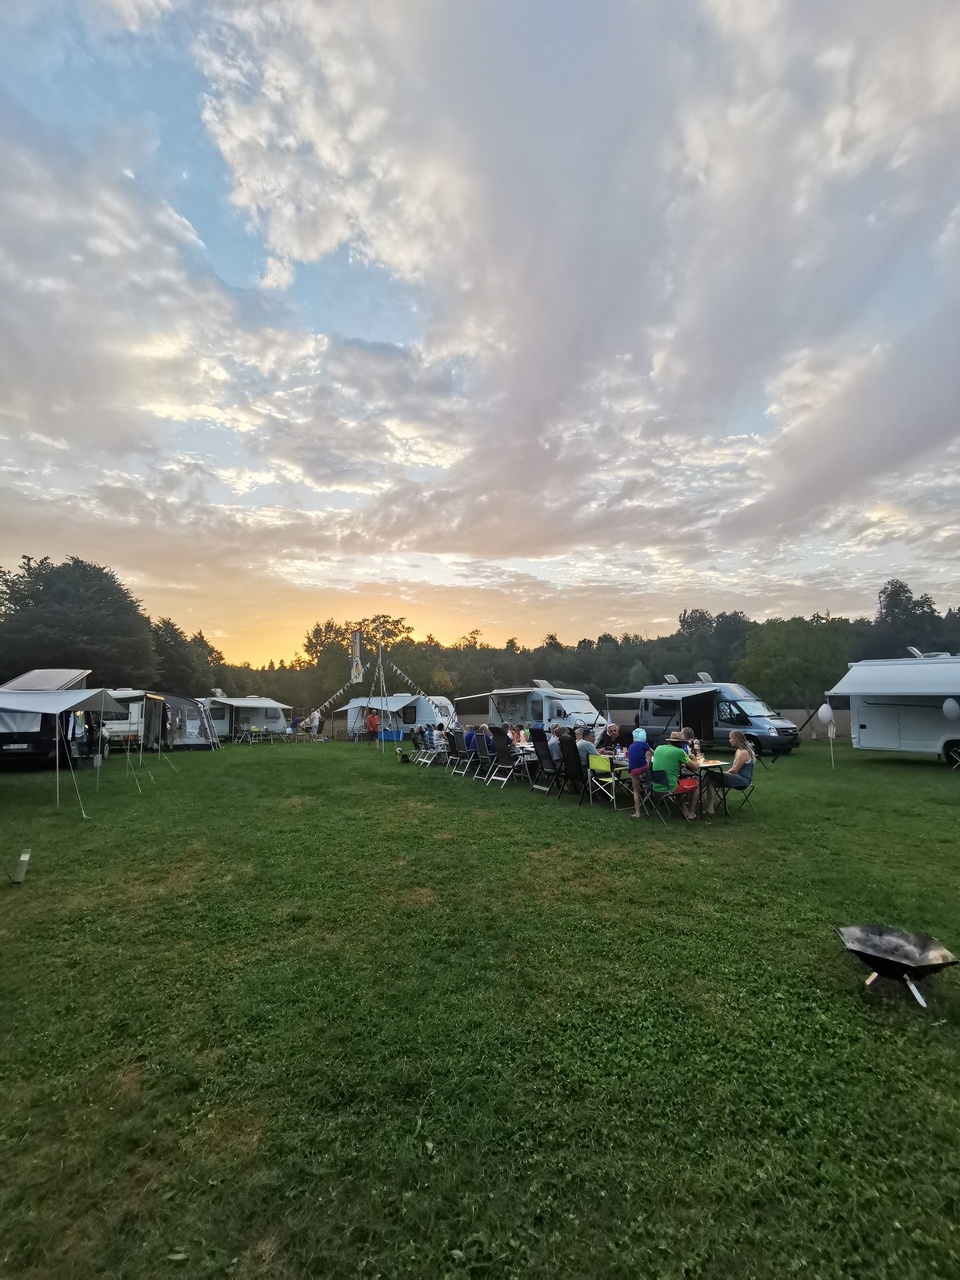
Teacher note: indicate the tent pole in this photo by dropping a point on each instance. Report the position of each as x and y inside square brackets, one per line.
[57, 722]
[73, 774]
[100, 739]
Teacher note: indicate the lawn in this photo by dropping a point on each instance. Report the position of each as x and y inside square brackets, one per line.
[301, 1011]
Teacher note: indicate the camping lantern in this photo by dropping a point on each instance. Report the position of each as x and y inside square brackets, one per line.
[951, 708]
[825, 713]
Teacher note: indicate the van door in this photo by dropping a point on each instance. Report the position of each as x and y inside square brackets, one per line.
[878, 727]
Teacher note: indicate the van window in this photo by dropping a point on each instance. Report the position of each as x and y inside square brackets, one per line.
[726, 713]
[664, 709]
[271, 713]
[218, 711]
[536, 708]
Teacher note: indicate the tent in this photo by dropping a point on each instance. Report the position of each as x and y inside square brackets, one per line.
[178, 723]
[398, 712]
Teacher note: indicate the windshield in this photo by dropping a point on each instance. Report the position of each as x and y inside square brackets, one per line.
[754, 707]
[578, 706]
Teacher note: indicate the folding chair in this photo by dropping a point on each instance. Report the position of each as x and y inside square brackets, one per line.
[549, 771]
[573, 770]
[454, 750]
[661, 800]
[602, 778]
[465, 759]
[486, 761]
[505, 764]
[744, 795]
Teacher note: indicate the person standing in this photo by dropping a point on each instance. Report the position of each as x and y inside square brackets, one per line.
[373, 727]
[314, 724]
[639, 757]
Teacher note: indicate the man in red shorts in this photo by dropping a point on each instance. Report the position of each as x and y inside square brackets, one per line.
[373, 725]
[669, 758]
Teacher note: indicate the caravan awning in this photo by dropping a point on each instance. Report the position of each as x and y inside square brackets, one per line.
[390, 702]
[901, 677]
[55, 702]
[252, 702]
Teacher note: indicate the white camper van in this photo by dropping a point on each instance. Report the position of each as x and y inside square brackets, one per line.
[904, 704]
[541, 704]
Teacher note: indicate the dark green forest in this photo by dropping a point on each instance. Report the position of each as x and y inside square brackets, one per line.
[77, 614]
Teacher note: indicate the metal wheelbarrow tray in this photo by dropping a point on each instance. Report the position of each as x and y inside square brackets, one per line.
[893, 953]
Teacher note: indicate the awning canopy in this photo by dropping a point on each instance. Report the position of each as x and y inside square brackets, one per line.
[901, 677]
[392, 702]
[55, 702]
[252, 702]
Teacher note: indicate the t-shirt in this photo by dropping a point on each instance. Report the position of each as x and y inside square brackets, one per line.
[470, 740]
[373, 723]
[637, 755]
[586, 749]
[555, 749]
[669, 758]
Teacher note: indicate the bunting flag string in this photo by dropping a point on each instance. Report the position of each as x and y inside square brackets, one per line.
[440, 713]
[342, 690]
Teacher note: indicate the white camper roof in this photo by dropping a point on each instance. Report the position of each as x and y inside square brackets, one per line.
[392, 702]
[905, 677]
[49, 678]
[250, 702]
[53, 702]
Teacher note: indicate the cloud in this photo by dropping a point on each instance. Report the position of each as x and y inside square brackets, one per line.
[692, 272]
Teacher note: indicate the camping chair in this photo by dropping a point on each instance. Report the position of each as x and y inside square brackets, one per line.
[419, 740]
[601, 777]
[662, 800]
[486, 761]
[573, 769]
[549, 771]
[432, 749]
[506, 764]
[454, 750]
[464, 759]
[744, 795]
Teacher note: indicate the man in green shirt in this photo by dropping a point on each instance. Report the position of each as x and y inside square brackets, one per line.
[670, 758]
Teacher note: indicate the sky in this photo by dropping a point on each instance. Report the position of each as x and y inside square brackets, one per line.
[527, 316]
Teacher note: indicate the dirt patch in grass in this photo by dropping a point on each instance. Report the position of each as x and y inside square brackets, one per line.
[130, 1080]
[422, 899]
[293, 802]
[414, 806]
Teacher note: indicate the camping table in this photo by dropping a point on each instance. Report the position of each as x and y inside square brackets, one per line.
[528, 755]
[706, 768]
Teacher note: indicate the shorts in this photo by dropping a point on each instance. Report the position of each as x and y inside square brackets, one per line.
[371, 735]
[686, 784]
[638, 773]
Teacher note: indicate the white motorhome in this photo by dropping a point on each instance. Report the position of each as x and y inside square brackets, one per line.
[904, 704]
[540, 704]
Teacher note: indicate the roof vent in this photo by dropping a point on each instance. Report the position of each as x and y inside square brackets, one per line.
[218, 693]
[705, 677]
[670, 680]
[915, 652]
[543, 684]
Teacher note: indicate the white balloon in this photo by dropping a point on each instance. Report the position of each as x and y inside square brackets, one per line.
[825, 713]
[951, 709]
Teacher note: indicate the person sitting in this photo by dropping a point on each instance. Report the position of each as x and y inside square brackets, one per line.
[553, 743]
[670, 758]
[689, 740]
[586, 746]
[609, 738]
[470, 739]
[639, 756]
[740, 774]
[485, 730]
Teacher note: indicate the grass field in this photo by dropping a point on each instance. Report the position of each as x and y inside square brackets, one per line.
[299, 1011]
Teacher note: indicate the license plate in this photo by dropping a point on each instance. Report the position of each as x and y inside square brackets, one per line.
[16, 746]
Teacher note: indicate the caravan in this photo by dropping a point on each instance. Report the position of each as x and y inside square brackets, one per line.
[904, 704]
[710, 709]
[234, 718]
[398, 713]
[540, 704]
[176, 723]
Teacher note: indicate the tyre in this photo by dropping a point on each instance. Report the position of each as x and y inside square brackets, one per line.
[105, 751]
[754, 745]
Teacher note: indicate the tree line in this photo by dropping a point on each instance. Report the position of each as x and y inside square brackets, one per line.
[77, 614]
